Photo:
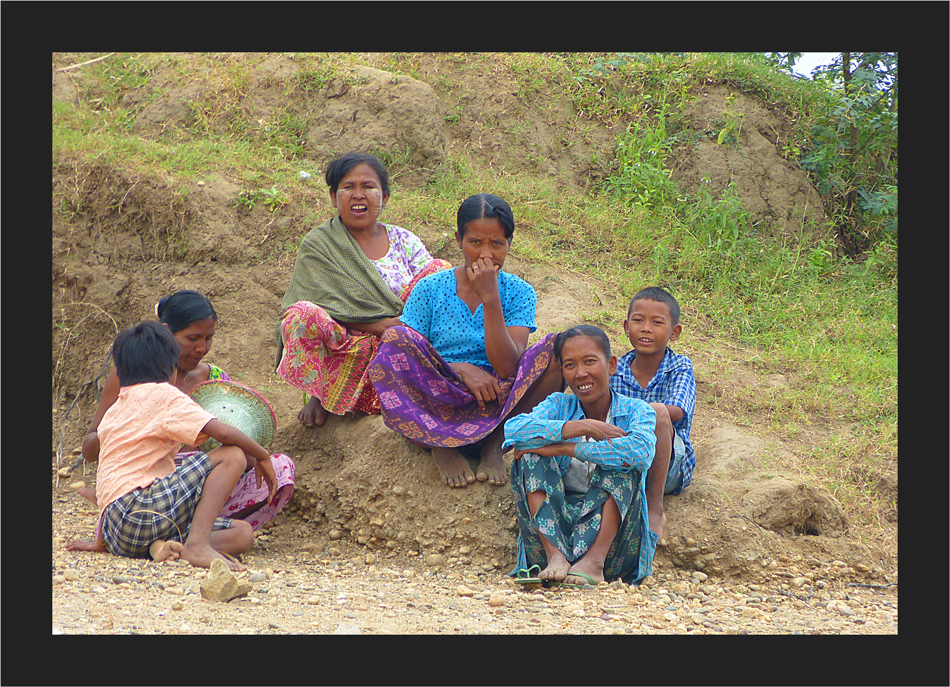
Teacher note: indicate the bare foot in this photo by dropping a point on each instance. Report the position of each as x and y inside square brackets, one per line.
[492, 467]
[455, 469]
[657, 523]
[201, 557]
[85, 545]
[557, 568]
[589, 568]
[88, 493]
[162, 550]
[313, 414]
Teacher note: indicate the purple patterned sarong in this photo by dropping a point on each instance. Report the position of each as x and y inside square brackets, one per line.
[426, 401]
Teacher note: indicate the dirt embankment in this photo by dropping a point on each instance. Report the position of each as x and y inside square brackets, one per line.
[120, 241]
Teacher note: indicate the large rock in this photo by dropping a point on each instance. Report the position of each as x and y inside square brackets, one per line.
[221, 584]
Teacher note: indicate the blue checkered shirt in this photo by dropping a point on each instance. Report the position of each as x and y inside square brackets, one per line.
[674, 385]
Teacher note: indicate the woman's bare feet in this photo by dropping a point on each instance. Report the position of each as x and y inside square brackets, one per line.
[492, 468]
[557, 567]
[313, 414]
[455, 469]
[591, 569]
[86, 545]
[88, 493]
[162, 550]
[657, 518]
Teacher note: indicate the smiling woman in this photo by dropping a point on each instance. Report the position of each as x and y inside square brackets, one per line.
[599, 530]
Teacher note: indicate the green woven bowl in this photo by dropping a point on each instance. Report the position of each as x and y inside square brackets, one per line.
[239, 406]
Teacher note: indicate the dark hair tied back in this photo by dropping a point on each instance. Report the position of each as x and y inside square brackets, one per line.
[596, 333]
[485, 206]
[182, 308]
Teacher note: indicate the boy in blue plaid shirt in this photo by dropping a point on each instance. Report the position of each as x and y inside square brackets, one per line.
[654, 373]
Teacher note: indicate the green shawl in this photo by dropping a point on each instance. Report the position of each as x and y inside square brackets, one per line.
[332, 271]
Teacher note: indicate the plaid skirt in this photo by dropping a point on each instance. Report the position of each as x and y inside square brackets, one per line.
[162, 510]
[247, 494]
[426, 401]
[571, 520]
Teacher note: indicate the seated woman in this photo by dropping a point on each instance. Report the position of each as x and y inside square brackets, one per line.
[350, 280]
[599, 531]
[192, 319]
[461, 364]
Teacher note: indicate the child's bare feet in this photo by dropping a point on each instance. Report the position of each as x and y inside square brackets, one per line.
[201, 557]
[162, 550]
[454, 467]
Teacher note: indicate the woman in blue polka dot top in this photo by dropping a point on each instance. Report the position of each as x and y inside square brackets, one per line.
[461, 364]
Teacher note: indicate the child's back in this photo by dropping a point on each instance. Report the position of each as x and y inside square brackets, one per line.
[140, 435]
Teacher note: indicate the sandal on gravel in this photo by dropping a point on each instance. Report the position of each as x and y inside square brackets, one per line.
[590, 581]
[528, 576]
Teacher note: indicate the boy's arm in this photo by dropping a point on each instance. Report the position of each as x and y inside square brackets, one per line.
[676, 413]
[681, 399]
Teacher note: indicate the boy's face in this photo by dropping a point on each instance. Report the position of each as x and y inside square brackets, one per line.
[650, 327]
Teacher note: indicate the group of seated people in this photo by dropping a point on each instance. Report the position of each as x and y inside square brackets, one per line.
[371, 322]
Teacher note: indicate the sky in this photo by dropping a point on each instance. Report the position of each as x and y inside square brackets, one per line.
[810, 60]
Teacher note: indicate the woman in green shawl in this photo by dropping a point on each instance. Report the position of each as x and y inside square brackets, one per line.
[350, 281]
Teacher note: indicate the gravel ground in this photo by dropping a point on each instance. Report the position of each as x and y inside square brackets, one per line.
[299, 591]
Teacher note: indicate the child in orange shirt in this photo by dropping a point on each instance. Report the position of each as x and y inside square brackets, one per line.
[147, 507]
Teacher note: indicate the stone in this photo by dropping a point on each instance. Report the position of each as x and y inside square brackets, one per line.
[347, 629]
[435, 559]
[70, 575]
[222, 585]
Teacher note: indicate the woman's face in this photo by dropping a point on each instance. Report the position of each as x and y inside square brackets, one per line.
[195, 342]
[586, 368]
[484, 238]
[359, 198]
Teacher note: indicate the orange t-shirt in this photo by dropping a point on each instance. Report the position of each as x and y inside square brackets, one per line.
[140, 434]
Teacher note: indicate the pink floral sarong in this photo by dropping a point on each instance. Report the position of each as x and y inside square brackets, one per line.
[328, 361]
